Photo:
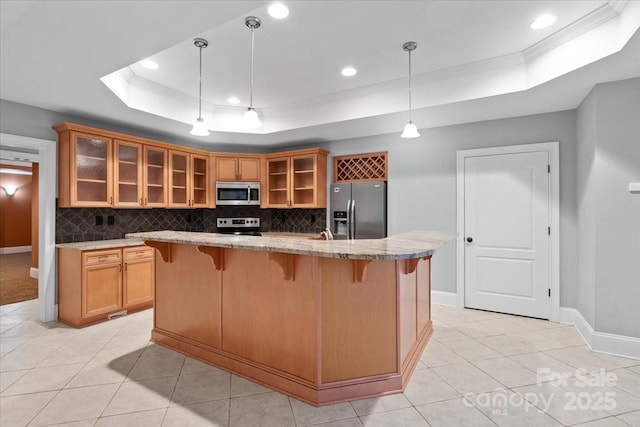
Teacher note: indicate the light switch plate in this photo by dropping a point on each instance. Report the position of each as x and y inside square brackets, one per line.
[634, 187]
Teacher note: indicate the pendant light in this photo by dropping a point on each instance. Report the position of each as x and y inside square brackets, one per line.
[251, 116]
[199, 127]
[410, 129]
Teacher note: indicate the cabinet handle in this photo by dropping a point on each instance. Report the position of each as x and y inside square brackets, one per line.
[125, 266]
[111, 200]
[145, 201]
[141, 201]
[120, 267]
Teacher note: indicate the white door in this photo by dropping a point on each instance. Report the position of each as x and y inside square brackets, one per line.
[506, 233]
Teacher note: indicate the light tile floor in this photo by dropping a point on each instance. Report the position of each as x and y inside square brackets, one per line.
[479, 369]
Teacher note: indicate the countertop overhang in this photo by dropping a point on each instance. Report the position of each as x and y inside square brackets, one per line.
[414, 244]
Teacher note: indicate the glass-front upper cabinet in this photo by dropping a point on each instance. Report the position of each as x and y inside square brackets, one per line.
[155, 177]
[188, 180]
[90, 163]
[277, 191]
[178, 173]
[199, 181]
[128, 174]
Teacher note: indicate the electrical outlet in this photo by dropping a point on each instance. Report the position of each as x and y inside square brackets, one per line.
[313, 218]
[189, 218]
[111, 220]
[99, 220]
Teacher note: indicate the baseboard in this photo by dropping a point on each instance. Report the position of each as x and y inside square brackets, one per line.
[15, 250]
[601, 342]
[33, 272]
[444, 298]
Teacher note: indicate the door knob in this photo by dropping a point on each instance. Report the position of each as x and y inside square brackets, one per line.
[469, 239]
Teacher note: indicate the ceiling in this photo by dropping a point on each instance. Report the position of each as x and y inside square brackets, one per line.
[476, 60]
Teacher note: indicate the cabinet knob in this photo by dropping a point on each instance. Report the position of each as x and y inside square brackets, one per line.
[469, 239]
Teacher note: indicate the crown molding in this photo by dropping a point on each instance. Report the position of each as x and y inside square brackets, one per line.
[588, 22]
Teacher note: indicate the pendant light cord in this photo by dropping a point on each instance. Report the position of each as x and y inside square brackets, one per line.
[410, 87]
[200, 88]
[251, 74]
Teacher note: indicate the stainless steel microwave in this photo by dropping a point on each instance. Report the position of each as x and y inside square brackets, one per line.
[238, 193]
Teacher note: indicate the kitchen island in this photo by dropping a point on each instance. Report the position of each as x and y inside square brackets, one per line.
[323, 321]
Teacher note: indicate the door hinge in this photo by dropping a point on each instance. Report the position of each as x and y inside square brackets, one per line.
[549, 231]
[548, 168]
[549, 292]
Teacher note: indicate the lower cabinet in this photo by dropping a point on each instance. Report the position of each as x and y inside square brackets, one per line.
[92, 285]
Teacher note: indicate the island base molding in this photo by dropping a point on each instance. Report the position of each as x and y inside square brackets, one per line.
[326, 394]
[299, 324]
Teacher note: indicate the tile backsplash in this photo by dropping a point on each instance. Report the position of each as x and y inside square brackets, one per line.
[83, 224]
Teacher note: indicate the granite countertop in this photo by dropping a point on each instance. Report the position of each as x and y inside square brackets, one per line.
[414, 244]
[100, 244]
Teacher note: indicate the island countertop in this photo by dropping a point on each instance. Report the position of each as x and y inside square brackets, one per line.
[415, 244]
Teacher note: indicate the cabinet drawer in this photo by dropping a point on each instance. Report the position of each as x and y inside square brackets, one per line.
[101, 257]
[138, 252]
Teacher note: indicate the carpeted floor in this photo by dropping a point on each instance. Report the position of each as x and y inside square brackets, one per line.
[15, 282]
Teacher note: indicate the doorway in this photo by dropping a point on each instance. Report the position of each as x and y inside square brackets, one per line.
[42, 152]
[508, 228]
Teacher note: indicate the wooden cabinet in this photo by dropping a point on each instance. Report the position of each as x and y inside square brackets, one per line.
[95, 284]
[128, 174]
[295, 179]
[138, 276]
[98, 168]
[237, 168]
[101, 285]
[188, 180]
[155, 177]
[85, 170]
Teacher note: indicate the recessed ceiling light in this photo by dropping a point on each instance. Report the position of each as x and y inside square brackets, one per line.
[542, 21]
[278, 10]
[149, 64]
[233, 100]
[348, 71]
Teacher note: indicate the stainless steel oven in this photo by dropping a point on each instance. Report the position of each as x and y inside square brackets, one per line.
[237, 193]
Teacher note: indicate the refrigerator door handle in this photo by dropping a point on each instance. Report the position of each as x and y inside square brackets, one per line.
[353, 219]
[349, 219]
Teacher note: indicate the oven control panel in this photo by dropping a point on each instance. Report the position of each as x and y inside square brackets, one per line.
[238, 222]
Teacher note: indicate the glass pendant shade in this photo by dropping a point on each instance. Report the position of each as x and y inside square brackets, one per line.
[199, 128]
[410, 130]
[251, 117]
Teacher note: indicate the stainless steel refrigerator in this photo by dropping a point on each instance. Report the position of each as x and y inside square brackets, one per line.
[359, 210]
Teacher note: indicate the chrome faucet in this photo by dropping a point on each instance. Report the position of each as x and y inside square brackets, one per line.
[326, 233]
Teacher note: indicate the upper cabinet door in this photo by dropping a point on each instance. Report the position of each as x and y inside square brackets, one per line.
[199, 181]
[303, 175]
[249, 169]
[155, 177]
[278, 183]
[128, 175]
[178, 177]
[91, 182]
[226, 169]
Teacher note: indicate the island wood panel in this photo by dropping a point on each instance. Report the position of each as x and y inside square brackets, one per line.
[187, 295]
[408, 309]
[268, 319]
[359, 329]
[423, 293]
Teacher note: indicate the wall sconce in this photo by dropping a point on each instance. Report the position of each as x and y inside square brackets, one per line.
[10, 190]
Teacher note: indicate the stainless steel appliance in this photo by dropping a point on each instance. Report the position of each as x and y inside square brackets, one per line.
[359, 210]
[239, 226]
[238, 193]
